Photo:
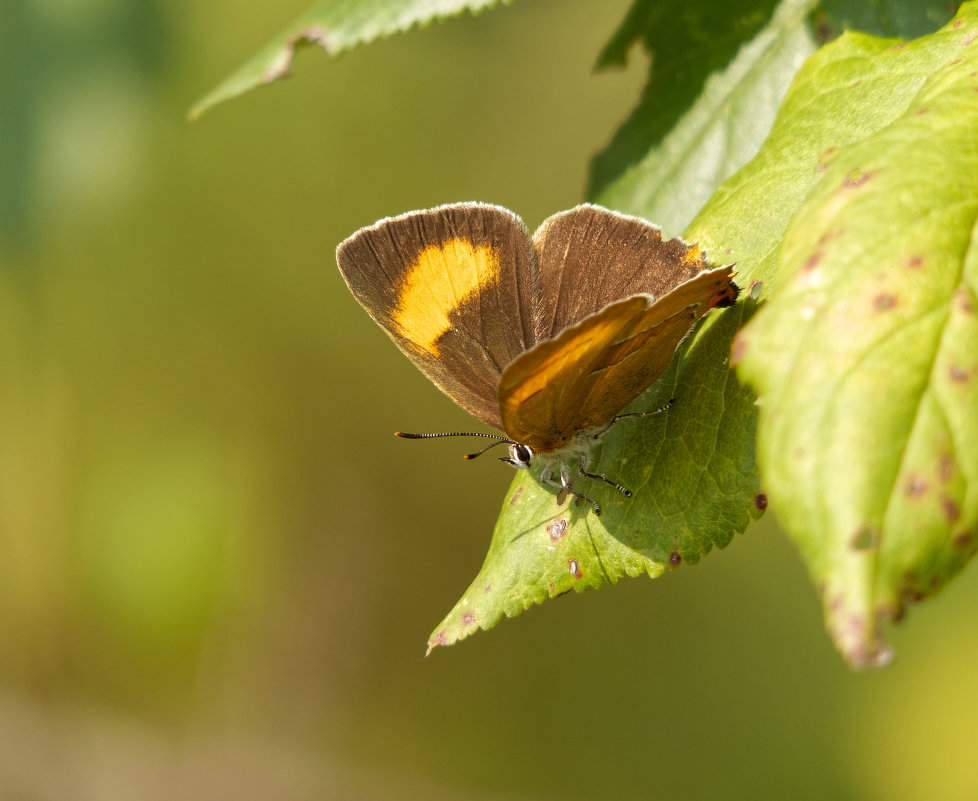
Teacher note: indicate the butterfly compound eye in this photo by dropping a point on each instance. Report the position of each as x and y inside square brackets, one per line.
[521, 454]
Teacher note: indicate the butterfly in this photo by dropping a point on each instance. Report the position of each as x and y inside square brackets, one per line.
[546, 338]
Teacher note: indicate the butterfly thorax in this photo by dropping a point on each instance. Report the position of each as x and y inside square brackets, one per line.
[556, 467]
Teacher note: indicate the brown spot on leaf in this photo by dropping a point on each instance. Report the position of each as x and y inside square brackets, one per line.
[812, 261]
[915, 485]
[856, 177]
[487, 589]
[441, 638]
[865, 538]
[830, 234]
[738, 349]
[557, 528]
[915, 262]
[951, 510]
[760, 501]
[516, 496]
[910, 590]
[958, 374]
[675, 558]
[958, 22]
[899, 46]
[884, 302]
[945, 467]
[824, 30]
[825, 159]
[962, 539]
[281, 67]
[963, 298]
[921, 111]
[468, 618]
[575, 568]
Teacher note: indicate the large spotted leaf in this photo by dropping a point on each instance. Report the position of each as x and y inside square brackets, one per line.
[866, 357]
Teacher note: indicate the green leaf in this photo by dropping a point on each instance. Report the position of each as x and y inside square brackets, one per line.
[693, 483]
[336, 26]
[668, 177]
[671, 154]
[905, 18]
[866, 358]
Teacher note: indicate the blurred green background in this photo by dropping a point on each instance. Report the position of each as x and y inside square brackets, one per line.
[218, 569]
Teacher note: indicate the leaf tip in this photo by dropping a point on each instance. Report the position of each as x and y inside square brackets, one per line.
[269, 65]
[441, 638]
[860, 639]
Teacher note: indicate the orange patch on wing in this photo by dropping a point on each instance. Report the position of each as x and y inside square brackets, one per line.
[693, 255]
[440, 280]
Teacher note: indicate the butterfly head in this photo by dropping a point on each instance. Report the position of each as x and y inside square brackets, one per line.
[520, 456]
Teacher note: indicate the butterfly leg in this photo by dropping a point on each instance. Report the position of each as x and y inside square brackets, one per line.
[565, 486]
[617, 419]
[581, 465]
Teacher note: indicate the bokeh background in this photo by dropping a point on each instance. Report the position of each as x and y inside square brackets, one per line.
[218, 569]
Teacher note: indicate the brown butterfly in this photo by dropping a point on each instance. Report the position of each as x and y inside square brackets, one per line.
[546, 338]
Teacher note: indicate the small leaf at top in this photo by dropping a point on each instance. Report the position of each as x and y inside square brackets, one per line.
[336, 27]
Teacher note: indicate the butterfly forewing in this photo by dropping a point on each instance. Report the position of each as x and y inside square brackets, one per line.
[452, 287]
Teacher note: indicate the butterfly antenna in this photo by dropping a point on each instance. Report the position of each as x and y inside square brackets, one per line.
[491, 445]
[499, 440]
